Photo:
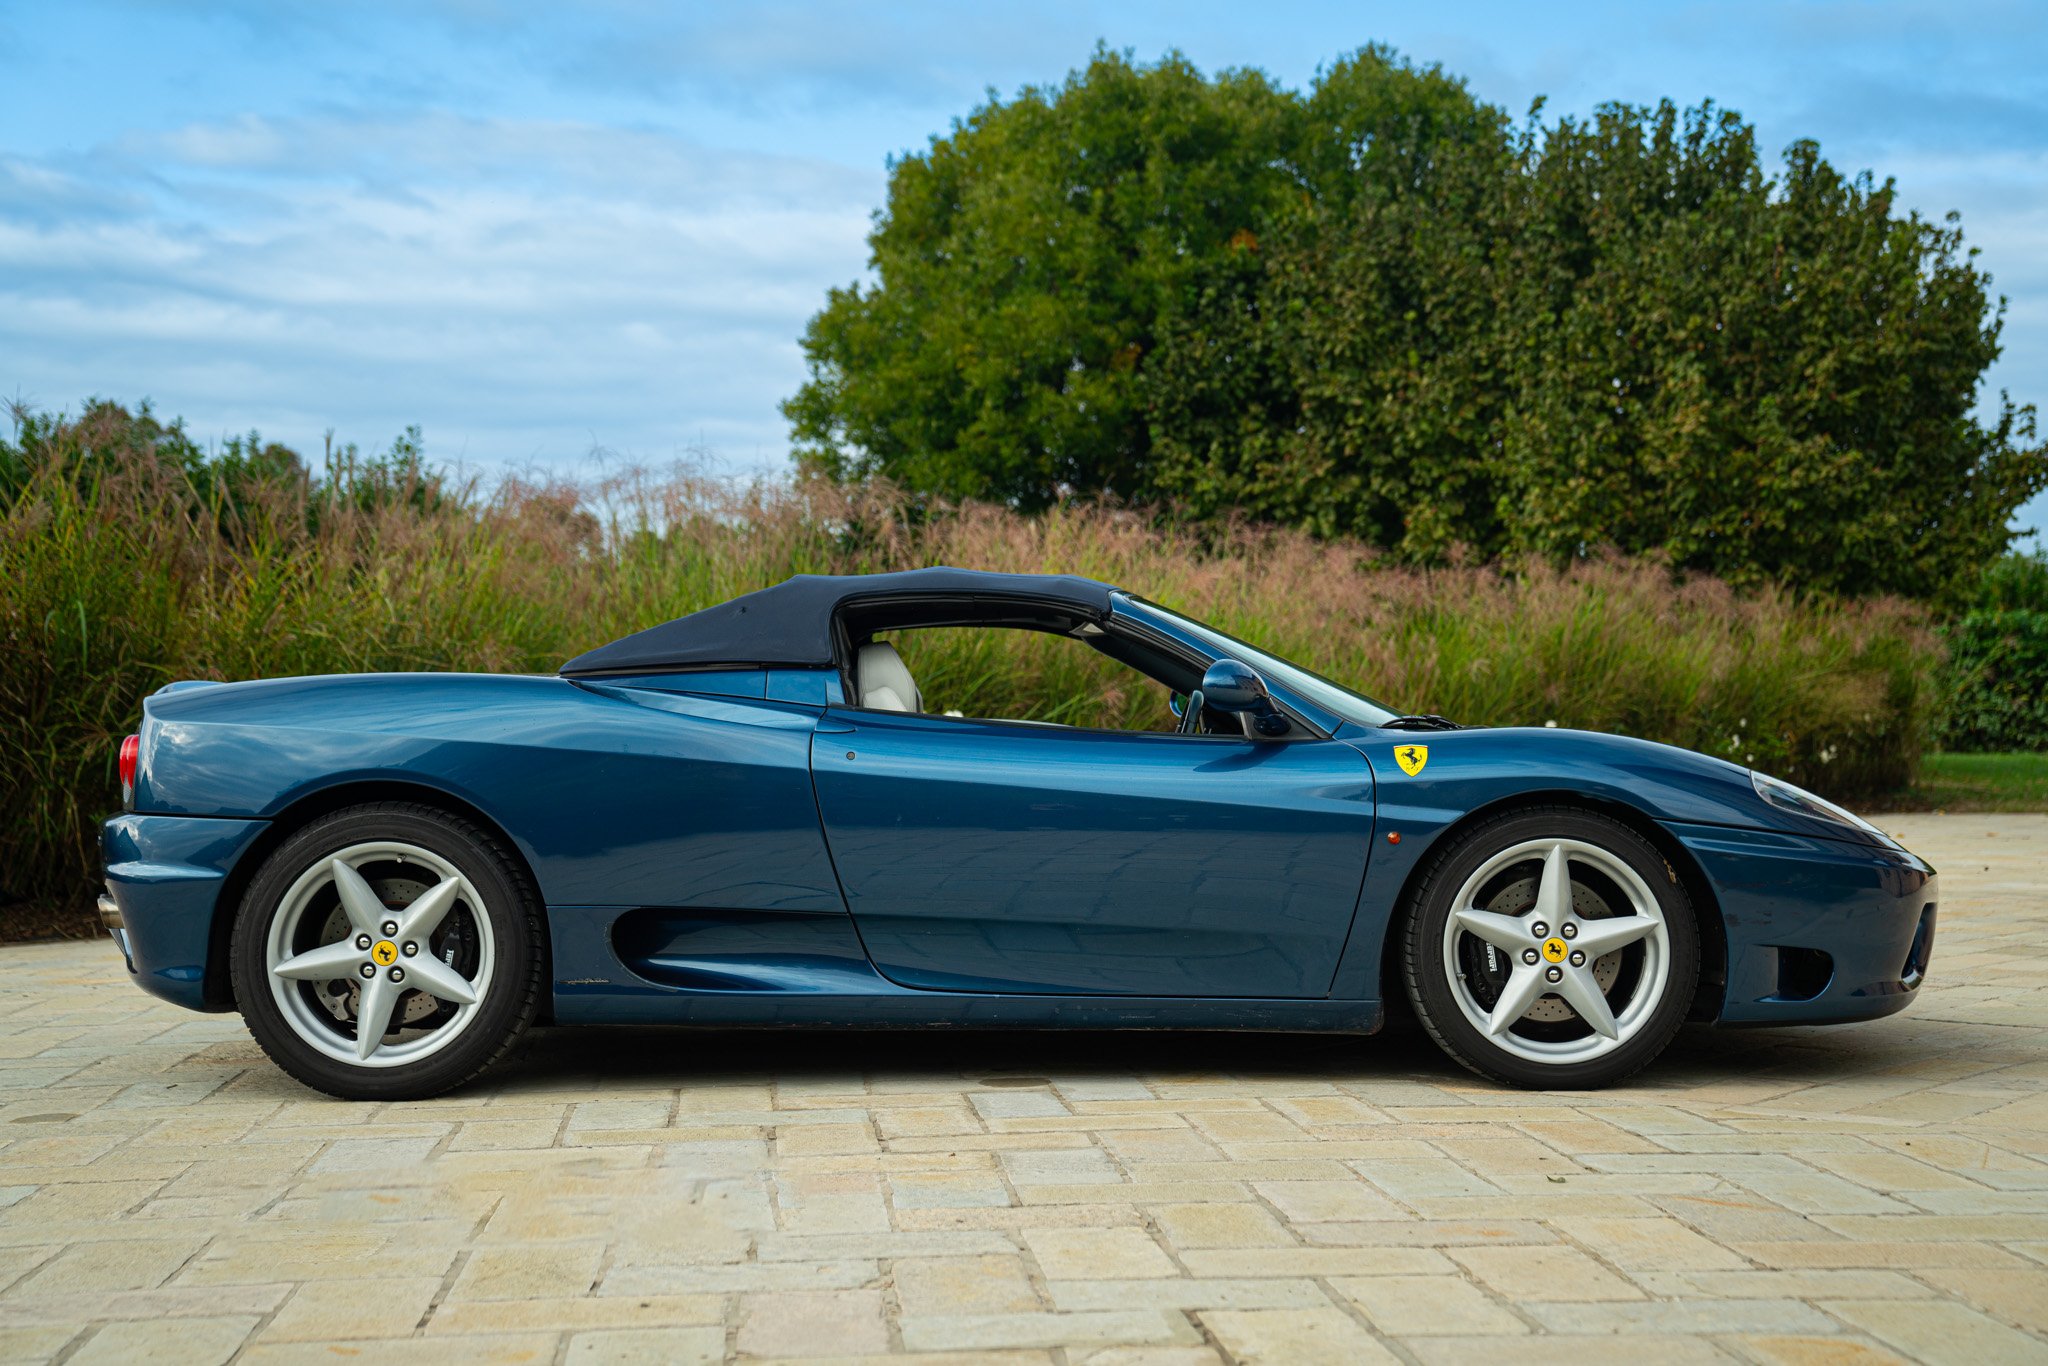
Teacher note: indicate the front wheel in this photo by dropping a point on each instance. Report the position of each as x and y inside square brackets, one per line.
[387, 952]
[1551, 947]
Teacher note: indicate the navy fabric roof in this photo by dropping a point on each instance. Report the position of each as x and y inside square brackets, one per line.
[791, 623]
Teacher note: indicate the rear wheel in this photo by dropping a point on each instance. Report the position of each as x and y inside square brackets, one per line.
[387, 952]
[1551, 947]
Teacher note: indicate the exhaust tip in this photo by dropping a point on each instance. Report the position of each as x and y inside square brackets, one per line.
[110, 912]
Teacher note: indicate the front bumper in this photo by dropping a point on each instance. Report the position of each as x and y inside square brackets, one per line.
[164, 880]
[1820, 931]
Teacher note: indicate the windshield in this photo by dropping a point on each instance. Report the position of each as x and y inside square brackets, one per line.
[1306, 684]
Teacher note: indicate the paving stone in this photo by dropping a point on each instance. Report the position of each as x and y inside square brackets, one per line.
[326, 1311]
[1842, 1252]
[784, 1247]
[800, 1140]
[530, 1272]
[1650, 1245]
[1253, 1336]
[1543, 1273]
[1134, 1192]
[169, 1342]
[1436, 1176]
[1400, 1306]
[1797, 1285]
[1097, 1254]
[1017, 1104]
[2020, 1296]
[1430, 1232]
[491, 1349]
[1563, 1350]
[1324, 1202]
[812, 1323]
[934, 1286]
[986, 1331]
[948, 1190]
[1060, 1167]
[647, 1347]
[1188, 1293]
[459, 1318]
[1674, 1317]
[35, 1342]
[1938, 1331]
[639, 1282]
[105, 1266]
[1200, 1226]
[1770, 1349]
[1020, 1217]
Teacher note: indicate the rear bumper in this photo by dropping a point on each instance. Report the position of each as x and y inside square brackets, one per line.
[1820, 931]
[164, 879]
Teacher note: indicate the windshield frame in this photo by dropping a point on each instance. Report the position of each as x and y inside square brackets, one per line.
[1303, 685]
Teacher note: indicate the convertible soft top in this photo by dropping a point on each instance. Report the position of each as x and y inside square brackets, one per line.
[791, 623]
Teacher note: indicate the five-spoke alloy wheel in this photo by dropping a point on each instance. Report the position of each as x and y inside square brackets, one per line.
[387, 951]
[1551, 947]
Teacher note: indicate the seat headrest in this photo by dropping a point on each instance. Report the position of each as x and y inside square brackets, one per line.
[883, 681]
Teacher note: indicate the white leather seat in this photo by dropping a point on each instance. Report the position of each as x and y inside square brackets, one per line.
[882, 680]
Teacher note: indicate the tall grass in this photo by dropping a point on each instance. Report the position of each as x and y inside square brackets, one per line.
[115, 580]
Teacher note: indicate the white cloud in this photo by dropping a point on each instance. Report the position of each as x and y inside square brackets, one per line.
[520, 288]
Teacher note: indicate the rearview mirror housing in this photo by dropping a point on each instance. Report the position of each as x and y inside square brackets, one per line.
[1231, 685]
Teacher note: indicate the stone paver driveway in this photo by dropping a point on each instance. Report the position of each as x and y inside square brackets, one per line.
[1783, 1195]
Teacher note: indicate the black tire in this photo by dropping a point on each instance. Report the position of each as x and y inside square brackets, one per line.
[507, 1001]
[1432, 993]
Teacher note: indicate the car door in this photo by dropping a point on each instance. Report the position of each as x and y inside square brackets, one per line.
[996, 856]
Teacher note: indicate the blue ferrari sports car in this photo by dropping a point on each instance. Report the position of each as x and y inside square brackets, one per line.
[753, 815]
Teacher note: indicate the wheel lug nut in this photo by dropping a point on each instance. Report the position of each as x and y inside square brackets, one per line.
[410, 949]
[369, 969]
[1529, 957]
[362, 941]
[1578, 959]
[398, 974]
[1554, 975]
[390, 928]
[1539, 929]
[1570, 931]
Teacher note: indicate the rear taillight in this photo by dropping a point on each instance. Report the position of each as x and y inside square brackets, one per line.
[131, 751]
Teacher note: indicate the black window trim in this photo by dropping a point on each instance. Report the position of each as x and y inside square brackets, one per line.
[1124, 624]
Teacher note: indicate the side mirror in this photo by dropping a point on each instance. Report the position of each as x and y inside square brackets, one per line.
[1233, 686]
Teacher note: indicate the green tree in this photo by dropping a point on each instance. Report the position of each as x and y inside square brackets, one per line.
[107, 441]
[1381, 309]
[1026, 264]
[1345, 378]
[1757, 378]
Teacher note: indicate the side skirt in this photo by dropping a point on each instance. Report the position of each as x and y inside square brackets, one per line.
[944, 1010]
[650, 965]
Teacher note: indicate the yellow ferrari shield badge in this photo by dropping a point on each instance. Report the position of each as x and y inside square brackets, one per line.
[1411, 758]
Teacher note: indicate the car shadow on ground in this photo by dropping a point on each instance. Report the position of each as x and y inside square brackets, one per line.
[644, 1058]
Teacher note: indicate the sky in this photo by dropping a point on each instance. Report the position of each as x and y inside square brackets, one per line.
[582, 236]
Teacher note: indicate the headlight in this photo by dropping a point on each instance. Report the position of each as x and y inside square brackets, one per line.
[1783, 795]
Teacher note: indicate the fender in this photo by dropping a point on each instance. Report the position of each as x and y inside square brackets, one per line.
[1468, 771]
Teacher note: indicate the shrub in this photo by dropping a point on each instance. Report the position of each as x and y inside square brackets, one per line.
[2015, 581]
[1997, 681]
[120, 578]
